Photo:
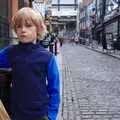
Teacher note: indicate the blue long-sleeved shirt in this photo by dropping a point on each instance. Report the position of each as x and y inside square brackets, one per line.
[25, 57]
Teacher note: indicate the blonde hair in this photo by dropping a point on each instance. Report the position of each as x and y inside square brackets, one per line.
[28, 15]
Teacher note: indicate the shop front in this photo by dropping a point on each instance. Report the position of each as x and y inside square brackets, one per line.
[112, 32]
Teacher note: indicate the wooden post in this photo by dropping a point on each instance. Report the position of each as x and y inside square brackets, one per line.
[3, 114]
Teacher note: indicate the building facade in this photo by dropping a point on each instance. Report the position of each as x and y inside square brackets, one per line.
[64, 14]
[107, 21]
[102, 18]
[85, 19]
[112, 21]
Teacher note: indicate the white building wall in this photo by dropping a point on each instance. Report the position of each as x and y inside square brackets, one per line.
[40, 7]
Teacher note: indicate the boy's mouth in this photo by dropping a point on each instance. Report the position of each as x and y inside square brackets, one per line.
[22, 36]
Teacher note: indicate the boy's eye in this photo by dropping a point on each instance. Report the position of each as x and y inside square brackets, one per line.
[19, 26]
[28, 25]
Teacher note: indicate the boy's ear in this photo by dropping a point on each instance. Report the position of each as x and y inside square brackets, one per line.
[41, 27]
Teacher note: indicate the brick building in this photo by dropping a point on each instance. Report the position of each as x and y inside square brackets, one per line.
[85, 12]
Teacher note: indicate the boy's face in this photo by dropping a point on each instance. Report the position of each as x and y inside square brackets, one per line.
[27, 33]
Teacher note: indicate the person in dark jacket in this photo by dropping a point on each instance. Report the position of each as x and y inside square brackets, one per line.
[35, 91]
[104, 44]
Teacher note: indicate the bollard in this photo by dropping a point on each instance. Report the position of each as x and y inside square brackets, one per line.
[5, 81]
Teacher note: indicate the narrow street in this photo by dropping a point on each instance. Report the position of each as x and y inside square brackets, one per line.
[91, 84]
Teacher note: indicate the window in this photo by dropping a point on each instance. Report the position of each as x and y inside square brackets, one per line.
[21, 3]
[3, 8]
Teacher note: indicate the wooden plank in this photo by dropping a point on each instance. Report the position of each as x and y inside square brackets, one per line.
[3, 114]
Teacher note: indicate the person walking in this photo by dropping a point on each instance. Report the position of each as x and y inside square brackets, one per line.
[35, 93]
[60, 37]
[104, 44]
[76, 38]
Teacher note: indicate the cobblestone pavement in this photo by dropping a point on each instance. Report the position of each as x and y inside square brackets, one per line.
[91, 85]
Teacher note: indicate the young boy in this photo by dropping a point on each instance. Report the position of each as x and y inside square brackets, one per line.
[35, 76]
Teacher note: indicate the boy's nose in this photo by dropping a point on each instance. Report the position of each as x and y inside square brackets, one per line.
[23, 28]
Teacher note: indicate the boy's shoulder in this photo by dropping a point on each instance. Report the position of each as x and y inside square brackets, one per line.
[6, 48]
[45, 52]
[43, 55]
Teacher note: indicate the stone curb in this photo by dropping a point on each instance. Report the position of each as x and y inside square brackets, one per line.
[112, 55]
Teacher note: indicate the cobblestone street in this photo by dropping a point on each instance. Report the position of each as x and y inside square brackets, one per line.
[91, 84]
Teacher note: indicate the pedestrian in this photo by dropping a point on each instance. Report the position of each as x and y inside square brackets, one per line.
[104, 44]
[60, 37]
[76, 38]
[61, 41]
[35, 93]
